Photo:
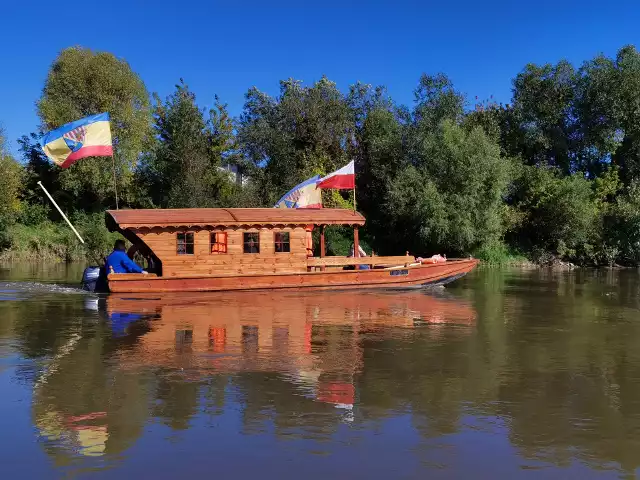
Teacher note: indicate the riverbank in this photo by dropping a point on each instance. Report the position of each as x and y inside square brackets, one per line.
[54, 242]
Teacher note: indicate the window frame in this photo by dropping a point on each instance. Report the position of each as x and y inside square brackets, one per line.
[282, 243]
[186, 243]
[213, 241]
[245, 242]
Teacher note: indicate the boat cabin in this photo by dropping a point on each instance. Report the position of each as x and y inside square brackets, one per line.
[219, 241]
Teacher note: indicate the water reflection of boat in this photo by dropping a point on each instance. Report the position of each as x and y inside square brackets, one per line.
[314, 338]
[152, 355]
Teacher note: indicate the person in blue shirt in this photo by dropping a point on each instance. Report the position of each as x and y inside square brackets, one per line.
[119, 262]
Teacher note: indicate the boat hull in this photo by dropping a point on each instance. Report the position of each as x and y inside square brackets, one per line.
[407, 277]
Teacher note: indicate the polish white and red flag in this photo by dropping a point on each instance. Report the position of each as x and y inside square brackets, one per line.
[343, 179]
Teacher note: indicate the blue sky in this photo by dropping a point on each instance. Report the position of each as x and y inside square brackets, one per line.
[227, 47]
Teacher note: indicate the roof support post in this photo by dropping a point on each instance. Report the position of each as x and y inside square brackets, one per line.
[322, 246]
[356, 243]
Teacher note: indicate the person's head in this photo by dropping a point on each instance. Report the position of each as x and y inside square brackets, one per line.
[119, 245]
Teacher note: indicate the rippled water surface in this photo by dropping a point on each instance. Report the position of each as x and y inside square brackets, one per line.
[504, 374]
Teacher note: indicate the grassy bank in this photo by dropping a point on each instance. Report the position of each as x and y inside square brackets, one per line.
[500, 255]
[55, 242]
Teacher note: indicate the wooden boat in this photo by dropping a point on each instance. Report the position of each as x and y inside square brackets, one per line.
[258, 248]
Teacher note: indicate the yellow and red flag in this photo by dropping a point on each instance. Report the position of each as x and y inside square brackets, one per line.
[87, 137]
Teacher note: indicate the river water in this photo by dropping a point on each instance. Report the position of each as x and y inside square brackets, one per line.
[503, 374]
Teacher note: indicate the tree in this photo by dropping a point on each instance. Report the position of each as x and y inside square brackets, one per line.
[81, 83]
[303, 132]
[609, 110]
[543, 99]
[230, 190]
[39, 168]
[451, 198]
[380, 154]
[11, 186]
[436, 100]
[183, 168]
[559, 214]
[622, 226]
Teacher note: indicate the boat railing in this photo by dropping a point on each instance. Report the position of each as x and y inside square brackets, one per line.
[338, 261]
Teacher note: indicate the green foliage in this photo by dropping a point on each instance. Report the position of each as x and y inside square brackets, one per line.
[180, 162]
[451, 199]
[559, 213]
[98, 240]
[622, 227]
[554, 174]
[11, 185]
[54, 241]
[543, 99]
[499, 254]
[46, 241]
[183, 170]
[489, 116]
[338, 240]
[380, 154]
[437, 100]
[32, 214]
[303, 132]
[609, 109]
[81, 83]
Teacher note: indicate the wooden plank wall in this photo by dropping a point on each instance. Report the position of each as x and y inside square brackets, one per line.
[202, 262]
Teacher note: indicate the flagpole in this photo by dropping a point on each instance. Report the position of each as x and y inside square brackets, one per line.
[354, 197]
[61, 212]
[115, 182]
[354, 186]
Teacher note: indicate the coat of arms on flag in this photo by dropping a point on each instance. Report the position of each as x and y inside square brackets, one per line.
[75, 138]
[304, 195]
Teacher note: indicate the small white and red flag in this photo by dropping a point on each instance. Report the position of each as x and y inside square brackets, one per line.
[343, 179]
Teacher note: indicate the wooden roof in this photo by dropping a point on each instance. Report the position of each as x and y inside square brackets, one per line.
[230, 217]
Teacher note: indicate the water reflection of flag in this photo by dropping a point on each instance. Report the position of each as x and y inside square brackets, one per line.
[304, 195]
[338, 393]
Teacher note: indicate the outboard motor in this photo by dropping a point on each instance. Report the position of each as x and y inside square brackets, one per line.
[94, 279]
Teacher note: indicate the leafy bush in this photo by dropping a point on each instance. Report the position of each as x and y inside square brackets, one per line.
[33, 214]
[98, 240]
[451, 200]
[499, 254]
[56, 242]
[559, 214]
[622, 226]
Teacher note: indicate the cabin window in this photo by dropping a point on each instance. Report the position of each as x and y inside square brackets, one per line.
[282, 242]
[184, 243]
[218, 242]
[251, 243]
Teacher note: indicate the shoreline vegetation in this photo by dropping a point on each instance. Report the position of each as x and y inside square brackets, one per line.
[550, 179]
